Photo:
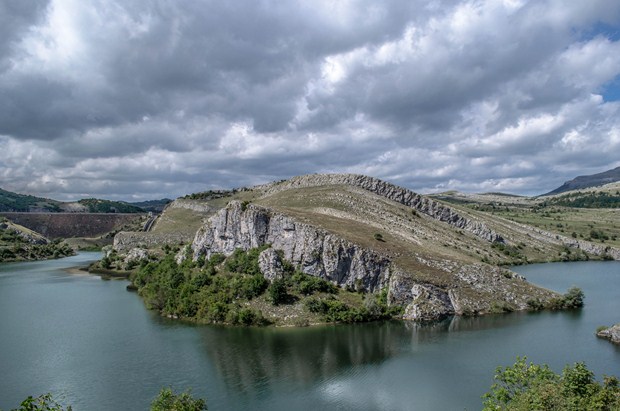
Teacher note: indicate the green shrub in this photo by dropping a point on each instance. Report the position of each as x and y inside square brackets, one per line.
[277, 292]
[169, 401]
[307, 284]
[535, 387]
[573, 298]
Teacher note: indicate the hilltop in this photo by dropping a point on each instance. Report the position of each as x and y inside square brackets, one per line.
[361, 234]
[589, 181]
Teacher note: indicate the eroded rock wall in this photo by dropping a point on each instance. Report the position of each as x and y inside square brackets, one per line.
[313, 250]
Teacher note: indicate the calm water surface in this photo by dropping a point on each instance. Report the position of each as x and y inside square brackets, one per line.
[95, 346]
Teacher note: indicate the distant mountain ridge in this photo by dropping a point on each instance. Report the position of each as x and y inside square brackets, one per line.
[593, 180]
[14, 202]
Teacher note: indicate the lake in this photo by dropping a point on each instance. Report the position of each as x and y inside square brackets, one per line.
[96, 347]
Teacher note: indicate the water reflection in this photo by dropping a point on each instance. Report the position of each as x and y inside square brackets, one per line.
[249, 357]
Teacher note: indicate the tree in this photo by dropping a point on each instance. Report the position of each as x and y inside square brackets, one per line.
[574, 298]
[277, 291]
[535, 387]
[44, 402]
[169, 401]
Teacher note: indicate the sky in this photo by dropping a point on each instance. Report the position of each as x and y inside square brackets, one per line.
[144, 99]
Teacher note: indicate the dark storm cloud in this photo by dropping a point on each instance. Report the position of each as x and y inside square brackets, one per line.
[16, 17]
[143, 99]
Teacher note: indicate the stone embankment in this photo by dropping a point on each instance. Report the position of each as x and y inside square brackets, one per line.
[392, 192]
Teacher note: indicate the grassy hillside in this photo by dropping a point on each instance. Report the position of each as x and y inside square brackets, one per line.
[592, 215]
[10, 201]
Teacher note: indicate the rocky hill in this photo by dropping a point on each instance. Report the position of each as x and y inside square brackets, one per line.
[18, 243]
[593, 180]
[364, 234]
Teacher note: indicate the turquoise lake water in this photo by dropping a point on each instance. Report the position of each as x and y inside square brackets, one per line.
[96, 347]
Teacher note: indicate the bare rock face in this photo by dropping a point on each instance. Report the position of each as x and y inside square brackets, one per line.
[422, 302]
[135, 255]
[313, 250]
[611, 333]
[395, 193]
[270, 265]
[463, 289]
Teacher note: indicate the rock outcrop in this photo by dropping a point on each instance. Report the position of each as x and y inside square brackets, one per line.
[313, 250]
[457, 288]
[392, 192]
[611, 333]
[22, 232]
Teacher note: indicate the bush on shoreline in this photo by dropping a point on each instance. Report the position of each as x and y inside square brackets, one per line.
[531, 386]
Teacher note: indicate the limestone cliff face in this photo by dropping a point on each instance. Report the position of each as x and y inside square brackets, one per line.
[470, 288]
[313, 250]
[395, 193]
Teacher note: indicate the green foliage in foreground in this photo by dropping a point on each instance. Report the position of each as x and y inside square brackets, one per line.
[167, 400]
[43, 402]
[536, 387]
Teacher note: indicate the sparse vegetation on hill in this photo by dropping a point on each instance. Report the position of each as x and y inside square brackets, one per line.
[581, 215]
[19, 244]
[95, 205]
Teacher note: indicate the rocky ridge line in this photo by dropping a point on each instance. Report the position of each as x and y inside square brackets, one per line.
[392, 192]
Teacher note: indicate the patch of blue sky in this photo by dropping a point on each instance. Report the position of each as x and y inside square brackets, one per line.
[611, 90]
[611, 32]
